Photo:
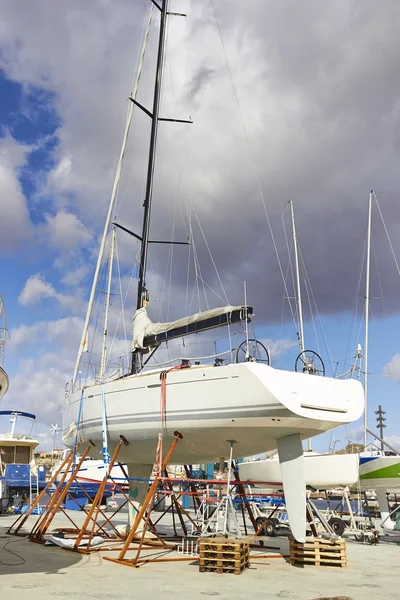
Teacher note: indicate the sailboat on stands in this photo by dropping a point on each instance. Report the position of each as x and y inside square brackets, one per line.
[247, 401]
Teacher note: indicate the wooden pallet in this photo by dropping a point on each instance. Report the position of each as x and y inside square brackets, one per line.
[317, 552]
[224, 544]
[228, 554]
[225, 568]
[224, 555]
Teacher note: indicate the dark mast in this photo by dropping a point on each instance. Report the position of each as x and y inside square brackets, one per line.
[142, 292]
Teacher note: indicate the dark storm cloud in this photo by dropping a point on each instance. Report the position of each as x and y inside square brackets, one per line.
[318, 87]
[199, 80]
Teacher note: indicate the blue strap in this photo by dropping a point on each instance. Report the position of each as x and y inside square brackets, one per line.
[77, 425]
[104, 451]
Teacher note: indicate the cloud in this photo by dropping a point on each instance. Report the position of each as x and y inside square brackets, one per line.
[286, 117]
[392, 368]
[38, 390]
[66, 232]
[36, 289]
[278, 347]
[75, 276]
[42, 371]
[62, 332]
[393, 440]
[16, 227]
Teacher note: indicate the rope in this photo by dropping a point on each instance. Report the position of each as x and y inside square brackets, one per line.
[163, 398]
[159, 455]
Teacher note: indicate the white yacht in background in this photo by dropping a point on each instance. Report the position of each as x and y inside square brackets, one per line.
[209, 402]
[91, 472]
[322, 471]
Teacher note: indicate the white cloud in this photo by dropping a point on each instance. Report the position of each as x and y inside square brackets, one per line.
[15, 224]
[38, 391]
[63, 333]
[75, 276]
[279, 347]
[393, 440]
[38, 385]
[36, 288]
[66, 232]
[392, 368]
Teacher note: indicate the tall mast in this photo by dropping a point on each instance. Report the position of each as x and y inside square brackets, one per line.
[367, 298]
[84, 338]
[141, 292]
[299, 303]
[107, 307]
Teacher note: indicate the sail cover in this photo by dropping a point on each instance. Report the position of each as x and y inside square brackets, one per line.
[146, 334]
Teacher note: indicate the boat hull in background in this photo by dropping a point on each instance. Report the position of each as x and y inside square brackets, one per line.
[379, 472]
[322, 471]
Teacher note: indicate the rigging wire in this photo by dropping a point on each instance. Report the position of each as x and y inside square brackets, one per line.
[290, 267]
[211, 257]
[314, 302]
[252, 162]
[387, 233]
[351, 340]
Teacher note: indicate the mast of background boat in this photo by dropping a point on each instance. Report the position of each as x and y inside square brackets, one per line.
[298, 294]
[107, 307]
[299, 303]
[83, 342]
[367, 298]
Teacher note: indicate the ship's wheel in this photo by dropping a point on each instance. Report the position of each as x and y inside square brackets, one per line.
[252, 351]
[310, 362]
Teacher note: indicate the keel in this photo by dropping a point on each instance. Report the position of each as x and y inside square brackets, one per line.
[291, 458]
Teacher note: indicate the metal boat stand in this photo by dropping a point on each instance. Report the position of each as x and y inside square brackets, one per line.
[144, 515]
[15, 528]
[57, 496]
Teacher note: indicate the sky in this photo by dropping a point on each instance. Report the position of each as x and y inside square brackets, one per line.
[288, 100]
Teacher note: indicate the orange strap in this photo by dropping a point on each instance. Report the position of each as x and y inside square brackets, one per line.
[163, 379]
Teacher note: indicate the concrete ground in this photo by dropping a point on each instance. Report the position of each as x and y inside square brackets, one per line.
[31, 571]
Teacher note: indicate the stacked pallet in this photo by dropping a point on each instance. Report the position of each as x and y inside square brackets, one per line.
[316, 552]
[224, 555]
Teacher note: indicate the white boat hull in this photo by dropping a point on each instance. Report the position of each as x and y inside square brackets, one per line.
[322, 471]
[249, 402]
[3, 382]
[379, 472]
[94, 471]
